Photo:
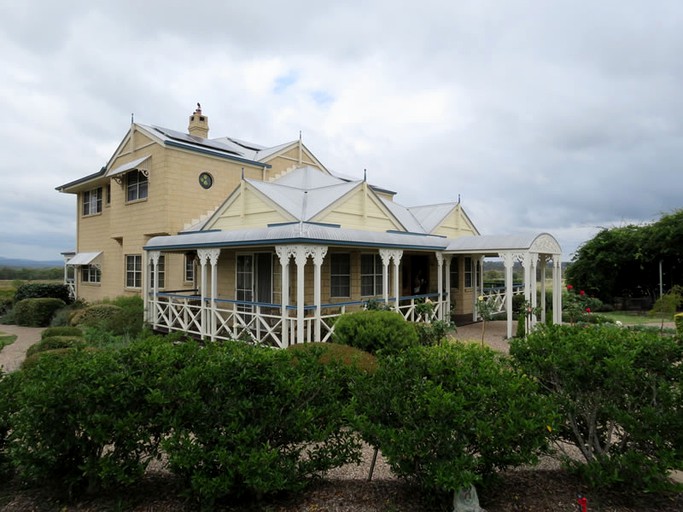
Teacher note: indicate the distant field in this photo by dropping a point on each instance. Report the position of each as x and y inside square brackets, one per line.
[8, 284]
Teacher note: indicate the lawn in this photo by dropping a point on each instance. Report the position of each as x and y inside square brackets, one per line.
[6, 339]
[635, 318]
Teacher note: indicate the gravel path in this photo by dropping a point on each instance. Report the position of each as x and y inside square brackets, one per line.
[13, 355]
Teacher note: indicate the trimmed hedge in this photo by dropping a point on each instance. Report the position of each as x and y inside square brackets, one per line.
[234, 419]
[36, 312]
[43, 291]
[336, 353]
[122, 316]
[61, 331]
[619, 393]
[448, 416]
[56, 342]
[375, 331]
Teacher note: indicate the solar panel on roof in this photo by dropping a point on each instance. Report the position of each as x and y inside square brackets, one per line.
[197, 141]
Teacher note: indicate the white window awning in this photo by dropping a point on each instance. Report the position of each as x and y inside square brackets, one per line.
[135, 164]
[83, 258]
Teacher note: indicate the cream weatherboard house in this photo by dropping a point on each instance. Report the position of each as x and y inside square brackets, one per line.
[226, 239]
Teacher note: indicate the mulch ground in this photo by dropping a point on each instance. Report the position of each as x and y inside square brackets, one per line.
[528, 490]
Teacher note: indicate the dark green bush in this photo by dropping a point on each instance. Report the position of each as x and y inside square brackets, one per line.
[93, 414]
[55, 342]
[8, 391]
[252, 421]
[678, 319]
[61, 331]
[333, 352]
[43, 291]
[450, 415]
[121, 316]
[433, 333]
[620, 396]
[36, 312]
[375, 331]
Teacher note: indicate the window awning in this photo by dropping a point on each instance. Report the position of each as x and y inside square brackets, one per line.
[127, 167]
[83, 258]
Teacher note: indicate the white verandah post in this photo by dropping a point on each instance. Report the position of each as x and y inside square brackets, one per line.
[508, 261]
[439, 288]
[213, 258]
[447, 305]
[202, 254]
[318, 254]
[154, 258]
[284, 254]
[300, 258]
[557, 289]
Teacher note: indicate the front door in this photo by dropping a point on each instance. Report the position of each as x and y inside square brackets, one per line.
[254, 279]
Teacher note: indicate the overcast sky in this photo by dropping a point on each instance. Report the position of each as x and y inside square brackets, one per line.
[557, 116]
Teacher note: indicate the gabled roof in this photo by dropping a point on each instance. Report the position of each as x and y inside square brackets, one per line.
[430, 216]
[304, 192]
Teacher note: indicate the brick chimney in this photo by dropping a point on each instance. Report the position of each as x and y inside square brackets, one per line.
[199, 123]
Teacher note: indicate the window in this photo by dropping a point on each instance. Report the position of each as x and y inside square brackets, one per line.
[92, 201]
[136, 185]
[468, 272]
[340, 275]
[455, 272]
[370, 275]
[244, 283]
[134, 271]
[90, 274]
[189, 268]
[161, 271]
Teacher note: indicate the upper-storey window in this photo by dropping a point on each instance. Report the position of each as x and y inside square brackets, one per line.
[136, 186]
[92, 201]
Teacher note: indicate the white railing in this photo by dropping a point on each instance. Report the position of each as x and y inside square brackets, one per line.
[498, 296]
[225, 319]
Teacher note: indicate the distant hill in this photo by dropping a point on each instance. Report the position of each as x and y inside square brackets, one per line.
[20, 263]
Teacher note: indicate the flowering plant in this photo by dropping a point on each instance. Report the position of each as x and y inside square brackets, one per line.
[578, 305]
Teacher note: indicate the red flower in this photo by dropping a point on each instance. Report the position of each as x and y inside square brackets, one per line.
[570, 287]
[588, 310]
[582, 292]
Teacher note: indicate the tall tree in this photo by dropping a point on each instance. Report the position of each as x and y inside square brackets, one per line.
[624, 261]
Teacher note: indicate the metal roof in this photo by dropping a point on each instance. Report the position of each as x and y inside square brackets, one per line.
[431, 216]
[297, 232]
[495, 244]
[127, 167]
[83, 258]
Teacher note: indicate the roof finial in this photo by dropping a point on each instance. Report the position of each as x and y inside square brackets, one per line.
[365, 175]
[132, 118]
[199, 109]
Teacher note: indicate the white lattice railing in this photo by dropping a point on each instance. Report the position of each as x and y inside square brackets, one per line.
[225, 319]
[497, 296]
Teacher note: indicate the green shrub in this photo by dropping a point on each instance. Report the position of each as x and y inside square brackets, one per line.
[55, 342]
[620, 397]
[678, 319]
[61, 331]
[333, 353]
[252, 421]
[433, 333]
[43, 291]
[94, 415]
[448, 416]
[122, 316]
[36, 312]
[375, 331]
[8, 391]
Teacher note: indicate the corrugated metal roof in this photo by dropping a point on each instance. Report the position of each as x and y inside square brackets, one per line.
[493, 244]
[83, 258]
[299, 232]
[404, 216]
[127, 167]
[430, 216]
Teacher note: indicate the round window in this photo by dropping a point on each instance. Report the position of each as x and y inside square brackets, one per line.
[205, 180]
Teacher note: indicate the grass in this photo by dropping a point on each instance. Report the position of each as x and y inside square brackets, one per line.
[6, 339]
[635, 318]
